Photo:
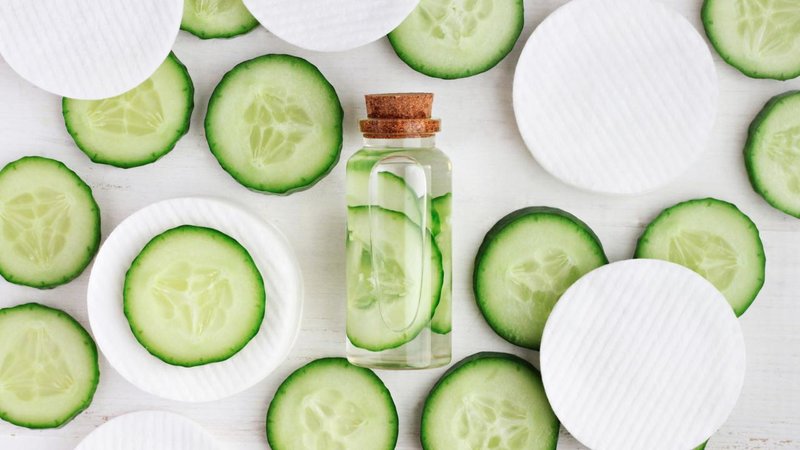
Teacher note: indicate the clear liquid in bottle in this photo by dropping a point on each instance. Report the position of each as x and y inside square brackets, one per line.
[399, 239]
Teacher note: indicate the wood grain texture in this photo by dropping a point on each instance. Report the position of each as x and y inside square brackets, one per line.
[493, 175]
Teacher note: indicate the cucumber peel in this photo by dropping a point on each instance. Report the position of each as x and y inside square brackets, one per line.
[772, 153]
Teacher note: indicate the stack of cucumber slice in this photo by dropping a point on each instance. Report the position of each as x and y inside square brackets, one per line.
[399, 211]
[441, 215]
[383, 322]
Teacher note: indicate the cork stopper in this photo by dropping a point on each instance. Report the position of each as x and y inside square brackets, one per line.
[403, 115]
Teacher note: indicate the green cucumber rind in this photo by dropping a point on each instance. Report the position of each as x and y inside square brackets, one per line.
[333, 362]
[496, 231]
[708, 26]
[436, 225]
[436, 221]
[750, 151]
[642, 241]
[96, 379]
[462, 365]
[91, 250]
[336, 150]
[377, 348]
[436, 73]
[388, 176]
[97, 157]
[234, 350]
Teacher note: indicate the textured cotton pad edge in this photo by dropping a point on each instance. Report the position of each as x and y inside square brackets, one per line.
[311, 25]
[50, 44]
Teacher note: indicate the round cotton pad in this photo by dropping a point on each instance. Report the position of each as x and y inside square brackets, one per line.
[642, 354]
[615, 96]
[154, 430]
[87, 49]
[283, 284]
[330, 27]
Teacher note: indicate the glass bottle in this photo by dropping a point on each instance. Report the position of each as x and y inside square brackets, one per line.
[399, 238]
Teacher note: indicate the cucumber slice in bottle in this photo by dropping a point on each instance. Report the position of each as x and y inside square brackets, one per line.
[458, 38]
[49, 223]
[48, 366]
[333, 405]
[407, 298]
[274, 123]
[210, 19]
[194, 296]
[395, 194]
[441, 228]
[772, 153]
[489, 401]
[761, 38]
[139, 126]
[526, 261]
[716, 240]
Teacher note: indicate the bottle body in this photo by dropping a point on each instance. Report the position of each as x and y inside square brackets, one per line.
[398, 255]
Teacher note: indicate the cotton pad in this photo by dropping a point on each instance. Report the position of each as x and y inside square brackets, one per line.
[266, 351]
[327, 26]
[615, 96]
[642, 354]
[87, 49]
[152, 430]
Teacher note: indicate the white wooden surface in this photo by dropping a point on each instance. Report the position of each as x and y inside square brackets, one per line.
[494, 174]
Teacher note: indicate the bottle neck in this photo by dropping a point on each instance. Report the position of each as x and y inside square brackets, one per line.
[404, 142]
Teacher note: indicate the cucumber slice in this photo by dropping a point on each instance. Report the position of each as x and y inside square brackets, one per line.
[772, 153]
[526, 261]
[333, 405]
[49, 223]
[458, 38]
[209, 19]
[714, 239]
[275, 124]
[139, 126]
[194, 296]
[441, 208]
[394, 193]
[388, 307]
[48, 366]
[761, 38]
[489, 401]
